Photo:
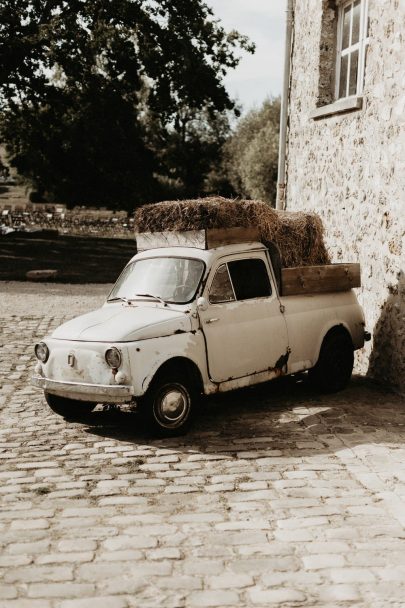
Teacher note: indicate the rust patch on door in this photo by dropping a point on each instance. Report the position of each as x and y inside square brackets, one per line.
[282, 361]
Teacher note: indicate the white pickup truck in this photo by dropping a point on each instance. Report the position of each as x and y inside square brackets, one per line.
[182, 321]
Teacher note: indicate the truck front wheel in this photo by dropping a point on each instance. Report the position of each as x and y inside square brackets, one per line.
[335, 364]
[69, 408]
[168, 405]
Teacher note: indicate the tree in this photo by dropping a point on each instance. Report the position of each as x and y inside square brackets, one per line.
[83, 81]
[189, 149]
[250, 155]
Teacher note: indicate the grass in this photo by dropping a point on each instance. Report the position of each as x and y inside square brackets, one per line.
[77, 259]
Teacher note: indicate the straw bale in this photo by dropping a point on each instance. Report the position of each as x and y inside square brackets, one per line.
[298, 235]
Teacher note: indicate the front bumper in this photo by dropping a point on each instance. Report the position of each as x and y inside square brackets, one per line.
[99, 393]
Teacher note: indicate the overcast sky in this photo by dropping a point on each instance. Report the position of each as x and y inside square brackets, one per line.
[261, 74]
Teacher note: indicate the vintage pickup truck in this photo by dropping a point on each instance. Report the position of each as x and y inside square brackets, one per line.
[194, 315]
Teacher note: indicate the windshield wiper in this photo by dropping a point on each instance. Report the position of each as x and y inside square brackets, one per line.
[150, 295]
[119, 298]
[136, 295]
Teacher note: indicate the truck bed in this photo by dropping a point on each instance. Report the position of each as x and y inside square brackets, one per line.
[319, 279]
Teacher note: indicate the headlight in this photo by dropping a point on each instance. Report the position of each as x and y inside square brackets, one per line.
[42, 352]
[113, 357]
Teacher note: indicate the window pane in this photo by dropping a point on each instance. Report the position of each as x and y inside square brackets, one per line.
[221, 288]
[343, 76]
[346, 27]
[356, 22]
[354, 61]
[250, 279]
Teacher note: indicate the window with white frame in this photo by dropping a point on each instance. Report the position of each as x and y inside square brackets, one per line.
[352, 43]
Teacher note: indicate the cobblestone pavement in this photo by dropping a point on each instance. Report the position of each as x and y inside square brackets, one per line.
[278, 496]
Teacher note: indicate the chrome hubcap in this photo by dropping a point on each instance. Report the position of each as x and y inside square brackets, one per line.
[173, 405]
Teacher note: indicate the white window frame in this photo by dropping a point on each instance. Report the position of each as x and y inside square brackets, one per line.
[361, 46]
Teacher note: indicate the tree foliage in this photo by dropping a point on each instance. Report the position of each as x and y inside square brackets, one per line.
[250, 155]
[190, 149]
[101, 99]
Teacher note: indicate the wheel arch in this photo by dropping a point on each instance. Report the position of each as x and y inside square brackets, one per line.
[174, 364]
[339, 328]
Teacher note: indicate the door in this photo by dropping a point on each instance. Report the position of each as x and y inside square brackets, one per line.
[244, 329]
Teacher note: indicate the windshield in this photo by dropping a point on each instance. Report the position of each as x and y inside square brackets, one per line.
[173, 280]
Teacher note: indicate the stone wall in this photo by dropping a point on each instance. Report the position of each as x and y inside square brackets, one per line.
[350, 168]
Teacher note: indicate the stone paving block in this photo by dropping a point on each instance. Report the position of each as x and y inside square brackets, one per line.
[352, 575]
[256, 566]
[122, 500]
[338, 593]
[270, 548]
[118, 585]
[276, 596]
[294, 535]
[95, 572]
[25, 603]
[27, 548]
[303, 522]
[164, 553]
[8, 592]
[61, 590]
[180, 582]
[221, 487]
[202, 566]
[34, 574]
[77, 544]
[302, 579]
[95, 602]
[213, 598]
[10, 561]
[57, 558]
[326, 560]
[130, 542]
[321, 547]
[227, 580]
[121, 556]
[249, 524]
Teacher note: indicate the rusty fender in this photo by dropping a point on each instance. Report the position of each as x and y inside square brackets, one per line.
[154, 352]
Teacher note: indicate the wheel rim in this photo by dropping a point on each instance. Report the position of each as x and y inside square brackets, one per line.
[172, 406]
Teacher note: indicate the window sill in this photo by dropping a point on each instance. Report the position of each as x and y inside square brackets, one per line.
[338, 107]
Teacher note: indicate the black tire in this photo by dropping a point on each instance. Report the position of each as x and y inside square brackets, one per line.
[69, 408]
[335, 364]
[169, 404]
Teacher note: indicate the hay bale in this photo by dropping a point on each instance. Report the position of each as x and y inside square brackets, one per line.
[298, 235]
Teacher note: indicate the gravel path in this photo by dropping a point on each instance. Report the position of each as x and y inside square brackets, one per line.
[24, 298]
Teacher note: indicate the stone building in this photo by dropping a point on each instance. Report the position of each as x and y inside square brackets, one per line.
[346, 154]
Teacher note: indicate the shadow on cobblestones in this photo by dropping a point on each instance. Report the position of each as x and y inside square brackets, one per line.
[276, 410]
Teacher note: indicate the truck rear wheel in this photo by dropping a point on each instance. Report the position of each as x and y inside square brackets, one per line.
[168, 405]
[335, 364]
[69, 408]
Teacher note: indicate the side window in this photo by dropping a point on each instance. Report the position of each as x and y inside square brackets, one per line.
[221, 287]
[250, 279]
[343, 47]
[352, 45]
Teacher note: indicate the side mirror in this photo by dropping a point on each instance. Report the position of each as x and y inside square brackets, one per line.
[202, 304]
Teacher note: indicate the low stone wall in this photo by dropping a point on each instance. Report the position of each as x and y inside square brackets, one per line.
[350, 169]
[79, 222]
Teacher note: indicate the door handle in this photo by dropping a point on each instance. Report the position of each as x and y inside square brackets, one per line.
[212, 320]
